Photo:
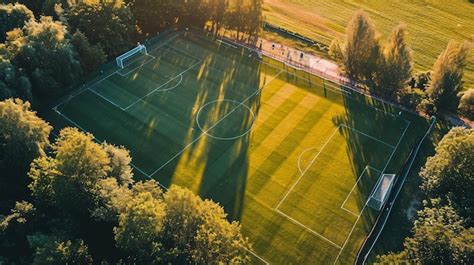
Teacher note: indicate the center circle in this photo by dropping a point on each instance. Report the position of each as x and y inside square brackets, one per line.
[225, 119]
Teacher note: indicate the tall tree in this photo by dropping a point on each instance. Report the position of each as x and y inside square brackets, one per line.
[109, 24]
[23, 137]
[395, 66]
[446, 80]
[47, 57]
[439, 237]
[449, 173]
[362, 49]
[466, 104]
[146, 13]
[13, 16]
[178, 228]
[12, 82]
[91, 56]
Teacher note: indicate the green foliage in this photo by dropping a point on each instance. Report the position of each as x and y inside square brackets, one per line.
[109, 24]
[23, 137]
[52, 249]
[12, 82]
[13, 16]
[335, 50]
[69, 179]
[439, 237]
[411, 97]
[140, 228]
[362, 50]
[178, 228]
[446, 80]
[449, 173]
[91, 56]
[466, 104]
[395, 65]
[46, 56]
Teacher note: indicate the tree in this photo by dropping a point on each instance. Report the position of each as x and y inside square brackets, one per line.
[69, 179]
[12, 82]
[13, 16]
[109, 24]
[52, 249]
[146, 12]
[23, 137]
[450, 172]
[335, 50]
[395, 67]
[178, 228]
[439, 237]
[446, 80]
[362, 49]
[140, 228]
[196, 231]
[466, 104]
[91, 56]
[46, 56]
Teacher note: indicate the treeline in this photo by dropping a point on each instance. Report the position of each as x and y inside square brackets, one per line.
[48, 46]
[77, 203]
[386, 70]
[443, 231]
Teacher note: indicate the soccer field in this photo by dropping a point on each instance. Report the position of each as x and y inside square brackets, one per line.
[292, 157]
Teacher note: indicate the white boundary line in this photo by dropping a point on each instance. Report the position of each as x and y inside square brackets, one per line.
[363, 208]
[160, 86]
[307, 168]
[225, 138]
[214, 125]
[353, 188]
[369, 136]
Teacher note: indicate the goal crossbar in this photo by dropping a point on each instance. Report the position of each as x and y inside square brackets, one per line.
[139, 49]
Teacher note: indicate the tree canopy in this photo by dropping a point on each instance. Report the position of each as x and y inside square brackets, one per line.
[23, 137]
[446, 80]
[450, 172]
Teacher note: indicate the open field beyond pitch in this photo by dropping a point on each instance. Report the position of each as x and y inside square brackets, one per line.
[431, 24]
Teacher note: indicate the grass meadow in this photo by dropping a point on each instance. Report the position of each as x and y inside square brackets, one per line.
[431, 24]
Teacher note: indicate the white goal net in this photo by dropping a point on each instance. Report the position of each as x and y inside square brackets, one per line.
[140, 49]
[382, 191]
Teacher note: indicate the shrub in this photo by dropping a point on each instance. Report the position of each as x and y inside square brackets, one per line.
[466, 104]
[427, 106]
[411, 98]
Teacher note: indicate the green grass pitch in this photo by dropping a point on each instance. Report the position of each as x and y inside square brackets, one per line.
[291, 157]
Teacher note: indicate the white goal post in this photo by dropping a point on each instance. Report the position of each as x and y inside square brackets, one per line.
[381, 192]
[139, 49]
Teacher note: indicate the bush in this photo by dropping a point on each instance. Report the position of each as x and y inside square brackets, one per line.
[411, 98]
[427, 106]
[466, 104]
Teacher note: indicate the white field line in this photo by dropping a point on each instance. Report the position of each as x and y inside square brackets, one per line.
[307, 168]
[105, 98]
[139, 66]
[214, 125]
[353, 188]
[159, 87]
[226, 43]
[301, 156]
[398, 191]
[308, 229]
[369, 136]
[363, 208]
[98, 140]
[258, 257]
[350, 212]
